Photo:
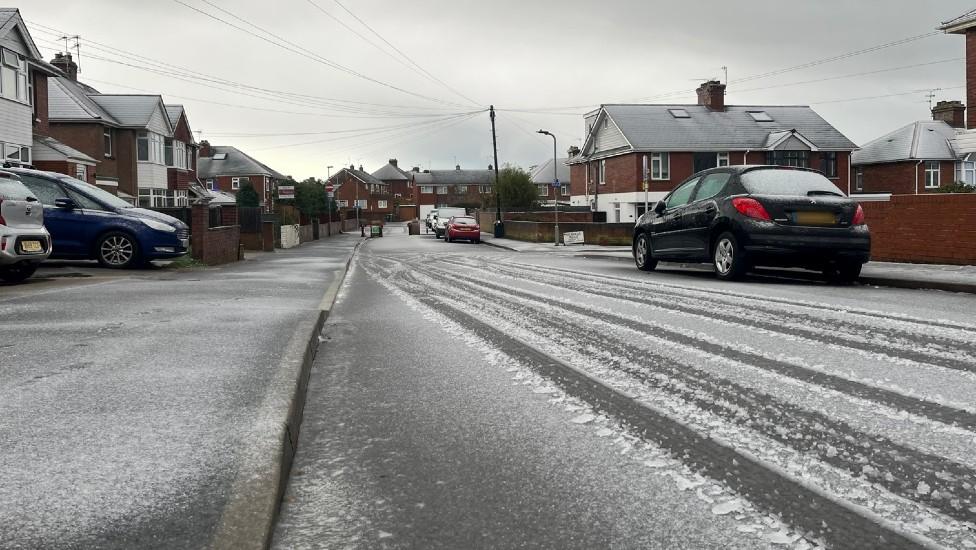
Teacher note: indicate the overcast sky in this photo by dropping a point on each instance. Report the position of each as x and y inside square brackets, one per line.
[551, 61]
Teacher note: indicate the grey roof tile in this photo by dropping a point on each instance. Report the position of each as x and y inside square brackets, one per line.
[922, 140]
[129, 110]
[237, 163]
[67, 101]
[542, 174]
[58, 147]
[390, 173]
[652, 127]
[174, 112]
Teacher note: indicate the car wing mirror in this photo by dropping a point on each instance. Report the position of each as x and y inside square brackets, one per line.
[660, 207]
[65, 203]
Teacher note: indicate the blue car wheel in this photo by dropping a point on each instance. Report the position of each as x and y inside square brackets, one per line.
[117, 250]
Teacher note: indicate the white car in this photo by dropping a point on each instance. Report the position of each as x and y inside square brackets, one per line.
[24, 241]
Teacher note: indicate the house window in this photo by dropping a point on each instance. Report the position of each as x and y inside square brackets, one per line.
[966, 172]
[156, 198]
[362, 203]
[564, 190]
[426, 188]
[180, 198]
[14, 83]
[210, 184]
[932, 173]
[798, 159]
[81, 172]
[660, 166]
[441, 189]
[107, 141]
[342, 204]
[381, 204]
[235, 183]
[859, 180]
[543, 190]
[397, 195]
[828, 164]
[721, 159]
[168, 152]
[602, 172]
[462, 189]
[142, 146]
[616, 212]
[485, 189]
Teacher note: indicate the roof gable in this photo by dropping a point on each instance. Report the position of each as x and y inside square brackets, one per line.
[136, 111]
[390, 173]
[68, 102]
[236, 163]
[654, 128]
[542, 174]
[14, 33]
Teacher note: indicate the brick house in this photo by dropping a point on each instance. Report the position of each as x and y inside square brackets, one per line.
[357, 188]
[676, 141]
[458, 187]
[130, 134]
[180, 152]
[24, 129]
[225, 168]
[924, 156]
[542, 177]
[401, 189]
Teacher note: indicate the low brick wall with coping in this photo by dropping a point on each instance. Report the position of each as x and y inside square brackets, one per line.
[937, 228]
[215, 245]
[606, 234]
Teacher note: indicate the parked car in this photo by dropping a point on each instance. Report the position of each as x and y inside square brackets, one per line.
[741, 217]
[24, 242]
[86, 222]
[442, 217]
[431, 216]
[464, 228]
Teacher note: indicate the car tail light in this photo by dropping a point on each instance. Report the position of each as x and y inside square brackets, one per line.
[751, 208]
[858, 216]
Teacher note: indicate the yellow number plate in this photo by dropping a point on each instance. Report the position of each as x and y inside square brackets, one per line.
[31, 246]
[816, 218]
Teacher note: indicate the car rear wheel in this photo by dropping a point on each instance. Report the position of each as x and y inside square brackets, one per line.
[118, 251]
[642, 254]
[17, 273]
[844, 274]
[728, 258]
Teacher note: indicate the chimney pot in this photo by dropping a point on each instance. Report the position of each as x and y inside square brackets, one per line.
[66, 65]
[952, 113]
[416, 169]
[393, 162]
[712, 95]
[457, 167]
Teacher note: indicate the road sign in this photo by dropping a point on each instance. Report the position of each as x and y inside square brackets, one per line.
[331, 194]
[286, 191]
[555, 183]
[329, 188]
[573, 237]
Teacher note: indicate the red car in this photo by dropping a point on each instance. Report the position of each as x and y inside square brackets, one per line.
[463, 227]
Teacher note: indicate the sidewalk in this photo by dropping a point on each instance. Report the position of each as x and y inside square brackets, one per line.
[950, 278]
[160, 410]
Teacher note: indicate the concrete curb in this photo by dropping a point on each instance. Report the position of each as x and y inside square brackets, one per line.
[948, 286]
[249, 519]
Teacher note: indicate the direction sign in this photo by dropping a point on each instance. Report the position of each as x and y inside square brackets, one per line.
[555, 183]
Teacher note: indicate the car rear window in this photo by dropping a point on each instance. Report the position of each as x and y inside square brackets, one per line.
[788, 182]
[468, 221]
[13, 190]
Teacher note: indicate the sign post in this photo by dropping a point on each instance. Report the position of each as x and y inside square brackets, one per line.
[286, 192]
[330, 193]
[645, 184]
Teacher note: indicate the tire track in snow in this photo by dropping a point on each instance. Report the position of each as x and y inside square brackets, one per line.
[799, 503]
[900, 469]
[744, 317]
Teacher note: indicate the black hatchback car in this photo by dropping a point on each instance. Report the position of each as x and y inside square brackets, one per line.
[740, 217]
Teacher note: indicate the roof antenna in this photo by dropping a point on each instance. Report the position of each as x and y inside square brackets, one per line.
[930, 96]
[77, 39]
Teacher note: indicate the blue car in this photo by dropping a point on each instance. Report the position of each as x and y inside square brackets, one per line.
[86, 223]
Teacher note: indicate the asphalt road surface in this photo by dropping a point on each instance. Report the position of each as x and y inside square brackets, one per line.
[470, 397]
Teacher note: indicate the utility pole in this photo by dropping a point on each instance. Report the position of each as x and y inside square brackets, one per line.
[329, 196]
[499, 225]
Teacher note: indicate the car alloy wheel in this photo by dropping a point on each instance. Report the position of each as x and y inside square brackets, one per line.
[117, 250]
[728, 258]
[642, 254]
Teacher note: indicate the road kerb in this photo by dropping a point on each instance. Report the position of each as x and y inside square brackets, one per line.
[249, 518]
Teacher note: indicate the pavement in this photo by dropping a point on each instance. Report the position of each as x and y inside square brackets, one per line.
[157, 408]
[949, 278]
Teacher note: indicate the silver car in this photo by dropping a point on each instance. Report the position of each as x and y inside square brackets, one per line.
[24, 242]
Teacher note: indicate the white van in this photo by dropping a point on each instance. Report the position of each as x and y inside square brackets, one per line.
[444, 214]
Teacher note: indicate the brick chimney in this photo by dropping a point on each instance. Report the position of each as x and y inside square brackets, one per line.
[205, 150]
[573, 151]
[952, 112]
[415, 169]
[457, 167]
[712, 95]
[393, 162]
[64, 62]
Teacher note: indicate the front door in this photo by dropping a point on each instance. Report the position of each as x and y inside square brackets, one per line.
[704, 161]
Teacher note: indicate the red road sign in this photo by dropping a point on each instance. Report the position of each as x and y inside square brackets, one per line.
[329, 188]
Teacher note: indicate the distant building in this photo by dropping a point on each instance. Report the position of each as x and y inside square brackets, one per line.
[542, 176]
[458, 187]
[225, 168]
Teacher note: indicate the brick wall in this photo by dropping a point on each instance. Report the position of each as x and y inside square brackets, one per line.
[65, 167]
[487, 218]
[214, 246]
[898, 178]
[934, 228]
[971, 78]
[593, 233]
[41, 125]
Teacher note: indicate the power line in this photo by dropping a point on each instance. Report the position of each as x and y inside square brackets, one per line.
[924, 90]
[303, 51]
[397, 50]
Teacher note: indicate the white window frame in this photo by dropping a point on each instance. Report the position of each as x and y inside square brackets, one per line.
[15, 65]
[485, 189]
[363, 204]
[211, 184]
[660, 166]
[462, 189]
[722, 159]
[381, 204]
[601, 175]
[429, 189]
[342, 204]
[107, 141]
[966, 172]
[543, 189]
[564, 190]
[81, 172]
[932, 175]
[441, 190]
[859, 179]
[235, 183]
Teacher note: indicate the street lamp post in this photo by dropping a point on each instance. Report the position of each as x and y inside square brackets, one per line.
[328, 198]
[555, 181]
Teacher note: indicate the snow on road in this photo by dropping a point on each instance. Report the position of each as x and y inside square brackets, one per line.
[871, 405]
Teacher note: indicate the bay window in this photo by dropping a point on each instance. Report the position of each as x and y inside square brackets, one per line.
[966, 172]
[150, 147]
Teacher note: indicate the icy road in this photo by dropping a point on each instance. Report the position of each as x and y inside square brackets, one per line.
[470, 397]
